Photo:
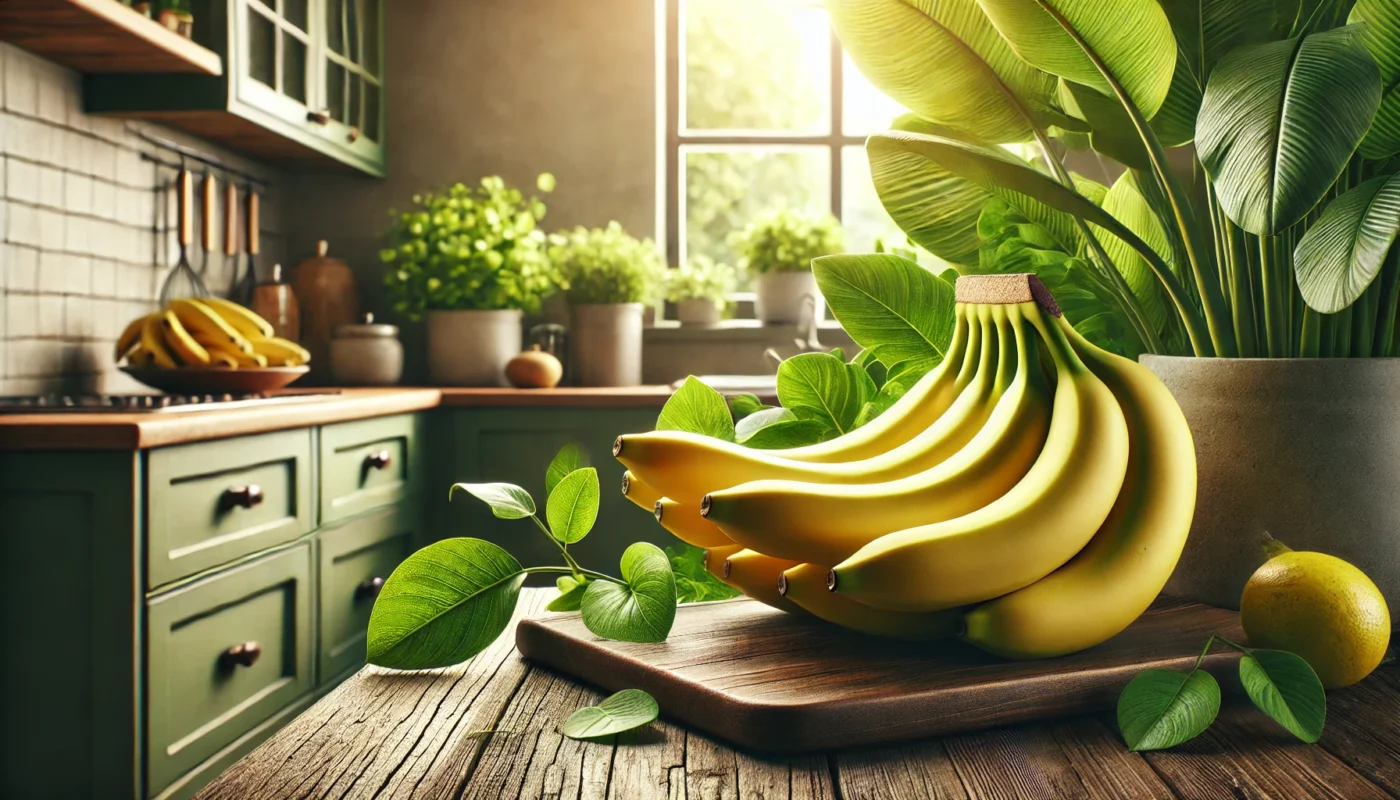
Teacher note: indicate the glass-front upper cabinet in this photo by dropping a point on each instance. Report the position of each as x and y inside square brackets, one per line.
[351, 76]
[277, 44]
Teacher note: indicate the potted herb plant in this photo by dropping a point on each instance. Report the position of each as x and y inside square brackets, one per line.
[471, 261]
[700, 288]
[777, 250]
[607, 277]
[1255, 273]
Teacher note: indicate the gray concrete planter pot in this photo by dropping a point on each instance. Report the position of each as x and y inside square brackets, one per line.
[607, 342]
[1306, 449]
[779, 296]
[471, 348]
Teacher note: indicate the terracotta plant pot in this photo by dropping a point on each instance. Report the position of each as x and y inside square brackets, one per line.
[471, 348]
[1306, 449]
[779, 296]
[607, 343]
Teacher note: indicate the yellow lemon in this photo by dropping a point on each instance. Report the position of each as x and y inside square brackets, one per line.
[1321, 608]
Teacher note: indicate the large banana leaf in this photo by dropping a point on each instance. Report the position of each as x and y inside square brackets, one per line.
[1343, 252]
[945, 62]
[1111, 129]
[1132, 38]
[1279, 122]
[1381, 36]
[1206, 30]
[1125, 202]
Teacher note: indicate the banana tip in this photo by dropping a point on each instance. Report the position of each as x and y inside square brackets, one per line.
[831, 580]
[626, 484]
[782, 585]
[705, 506]
[727, 567]
[657, 510]
[617, 447]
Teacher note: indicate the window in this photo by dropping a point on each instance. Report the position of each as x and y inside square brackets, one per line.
[763, 111]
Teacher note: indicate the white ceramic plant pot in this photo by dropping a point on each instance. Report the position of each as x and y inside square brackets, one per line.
[697, 312]
[471, 348]
[1304, 448]
[779, 296]
[607, 344]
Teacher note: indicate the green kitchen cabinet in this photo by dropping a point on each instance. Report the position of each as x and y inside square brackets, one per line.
[515, 445]
[303, 82]
[355, 559]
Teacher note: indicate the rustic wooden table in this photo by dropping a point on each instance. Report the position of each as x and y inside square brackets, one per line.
[489, 728]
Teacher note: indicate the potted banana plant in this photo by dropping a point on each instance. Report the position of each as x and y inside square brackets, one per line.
[1246, 254]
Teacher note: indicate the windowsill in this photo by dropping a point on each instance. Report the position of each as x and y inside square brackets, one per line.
[730, 330]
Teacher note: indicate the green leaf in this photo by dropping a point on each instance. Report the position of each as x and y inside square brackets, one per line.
[569, 458]
[1285, 687]
[981, 89]
[1381, 37]
[507, 501]
[573, 505]
[1162, 708]
[889, 305]
[744, 404]
[1279, 121]
[644, 608]
[624, 711]
[789, 433]
[818, 386]
[697, 408]
[694, 583]
[1112, 132]
[1126, 203]
[1132, 38]
[443, 605]
[1342, 253]
[570, 594]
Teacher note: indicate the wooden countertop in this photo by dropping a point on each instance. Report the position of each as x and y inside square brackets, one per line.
[489, 728]
[563, 397]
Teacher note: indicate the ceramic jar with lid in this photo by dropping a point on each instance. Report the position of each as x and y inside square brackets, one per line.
[367, 354]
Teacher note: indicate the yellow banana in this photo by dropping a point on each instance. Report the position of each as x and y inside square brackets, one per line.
[716, 556]
[827, 523]
[153, 341]
[219, 346]
[756, 575]
[685, 466]
[241, 319]
[202, 323]
[685, 524]
[130, 337]
[139, 357]
[641, 494]
[1116, 577]
[180, 343]
[221, 359]
[1027, 533]
[805, 585]
[281, 352]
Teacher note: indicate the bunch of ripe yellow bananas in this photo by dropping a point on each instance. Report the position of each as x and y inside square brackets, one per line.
[208, 332]
[1032, 494]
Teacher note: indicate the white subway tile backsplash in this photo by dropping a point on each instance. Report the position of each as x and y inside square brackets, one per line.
[77, 193]
[22, 180]
[21, 268]
[21, 315]
[50, 316]
[51, 187]
[23, 227]
[21, 82]
[51, 228]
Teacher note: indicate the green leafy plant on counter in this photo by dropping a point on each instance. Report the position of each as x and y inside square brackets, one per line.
[787, 241]
[469, 249]
[1162, 708]
[1273, 237]
[606, 265]
[450, 600]
[700, 278]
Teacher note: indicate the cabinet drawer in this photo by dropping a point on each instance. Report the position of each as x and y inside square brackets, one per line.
[356, 558]
[367, 464]
[225, 653]
[211, 502]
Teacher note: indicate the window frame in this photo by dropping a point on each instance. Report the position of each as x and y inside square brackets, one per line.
[835, 140]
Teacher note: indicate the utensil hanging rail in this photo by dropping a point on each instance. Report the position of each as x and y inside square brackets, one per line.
[195, 155]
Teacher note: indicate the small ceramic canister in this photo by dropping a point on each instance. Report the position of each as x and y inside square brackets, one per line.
[367, 354]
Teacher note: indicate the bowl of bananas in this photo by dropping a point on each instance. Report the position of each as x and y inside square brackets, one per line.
[209, 346]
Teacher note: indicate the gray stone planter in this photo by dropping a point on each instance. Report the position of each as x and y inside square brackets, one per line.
[1306, 449]
[607, 342]
[471, 348]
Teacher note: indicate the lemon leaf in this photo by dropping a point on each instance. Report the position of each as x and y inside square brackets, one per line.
[1285, 687]
[1162, 708]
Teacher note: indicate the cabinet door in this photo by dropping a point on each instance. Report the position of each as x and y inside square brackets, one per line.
[350, 89]
[272, 51]
[516, 446]
[356, 558]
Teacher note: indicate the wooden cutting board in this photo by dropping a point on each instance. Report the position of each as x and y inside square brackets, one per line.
[766, 680]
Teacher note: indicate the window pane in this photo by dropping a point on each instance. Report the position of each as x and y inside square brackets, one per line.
[726, 188]
[864, 109]
[862, 215]
[761, 65]
[293, 67]
[262, 49]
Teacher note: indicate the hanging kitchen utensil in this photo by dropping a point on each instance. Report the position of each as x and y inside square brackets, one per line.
[210, 190]
[182, 281]
[243, 287]
[231, 228]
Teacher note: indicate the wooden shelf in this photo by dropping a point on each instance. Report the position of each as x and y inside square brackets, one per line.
[101, 36]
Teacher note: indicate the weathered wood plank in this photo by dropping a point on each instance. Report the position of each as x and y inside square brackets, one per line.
[1248, 756]
[385, 733]
[1363, 727]
[649, 763]
[921, 770]
[714, 771]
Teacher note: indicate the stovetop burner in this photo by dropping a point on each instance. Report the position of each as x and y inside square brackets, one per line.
[161, 403]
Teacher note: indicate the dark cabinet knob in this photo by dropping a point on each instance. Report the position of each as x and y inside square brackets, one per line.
[378, 460]
[319, 117]
[352, 135]
[243, 496]
[369, 588]
[242, 655]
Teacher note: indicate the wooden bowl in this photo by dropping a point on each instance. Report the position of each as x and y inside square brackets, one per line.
[205, 380]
